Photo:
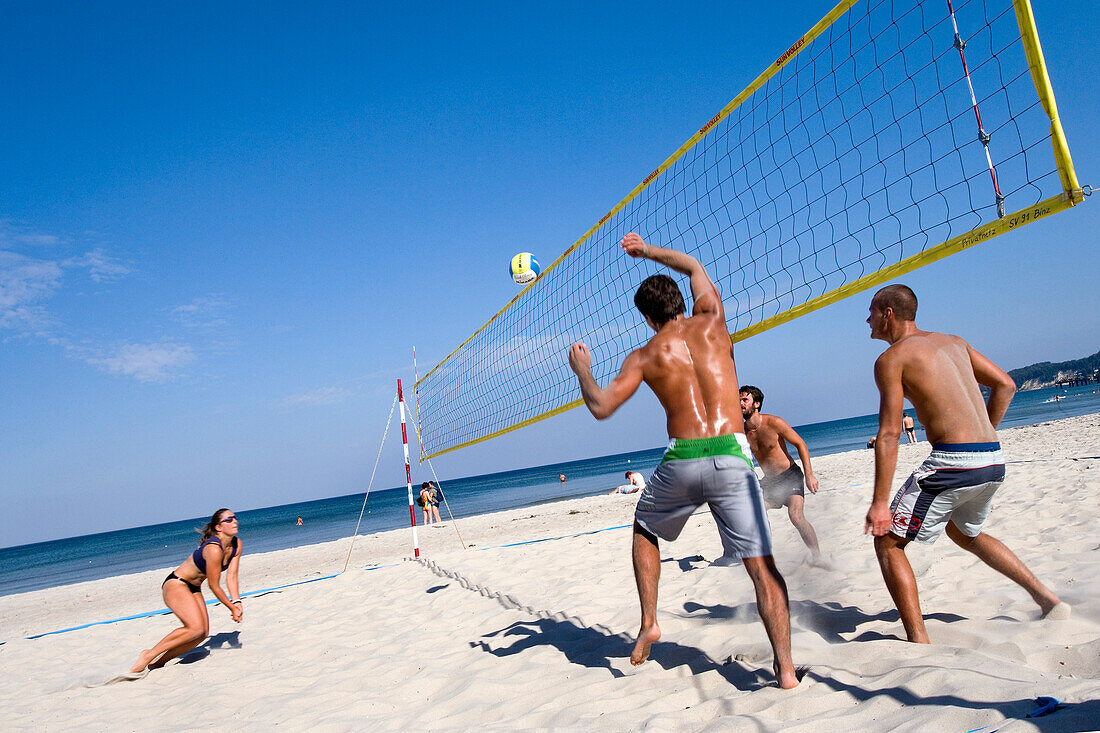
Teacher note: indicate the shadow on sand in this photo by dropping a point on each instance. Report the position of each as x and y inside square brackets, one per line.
[827, 620]
[599, 649]
[227, 640]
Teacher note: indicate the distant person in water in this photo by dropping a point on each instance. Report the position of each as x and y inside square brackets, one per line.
[561, 478]
[910, 430]
[219, 551]
[784, 483]
[953, 489]
[689, 366]
[634, 483]
[299, 521]
[871, 441]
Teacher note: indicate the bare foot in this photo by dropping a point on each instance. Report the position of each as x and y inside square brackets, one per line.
[787, 679]
[646, 637]
[143, 660]
[1058, 612]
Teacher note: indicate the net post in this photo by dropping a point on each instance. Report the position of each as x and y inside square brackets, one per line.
[408, 470]
[1029, 35]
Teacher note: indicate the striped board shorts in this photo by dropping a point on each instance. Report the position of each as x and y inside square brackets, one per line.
[957, 483]
[714, 471]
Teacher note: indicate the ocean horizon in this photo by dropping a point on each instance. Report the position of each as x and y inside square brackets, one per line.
[81, 558]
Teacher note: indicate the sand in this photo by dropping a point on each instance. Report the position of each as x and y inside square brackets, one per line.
[538, 635]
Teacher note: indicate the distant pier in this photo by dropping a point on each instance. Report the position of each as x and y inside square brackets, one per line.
[1080, 381]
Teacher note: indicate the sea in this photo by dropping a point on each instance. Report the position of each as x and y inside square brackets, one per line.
[91, 557]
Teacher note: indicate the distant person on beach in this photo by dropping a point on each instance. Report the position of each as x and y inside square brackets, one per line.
[219, 551]
[953, 489]
[424, 501]
[871, 441]
[910, 430]
[433, 502]
[634, 483]
[783, 483]
[689, 366]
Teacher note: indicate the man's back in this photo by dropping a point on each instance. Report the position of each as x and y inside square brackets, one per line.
[689, 367]
[939, 379]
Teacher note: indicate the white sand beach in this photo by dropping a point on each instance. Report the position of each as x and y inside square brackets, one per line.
[538, 635]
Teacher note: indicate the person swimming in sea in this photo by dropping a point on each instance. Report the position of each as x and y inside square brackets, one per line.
[219, 551]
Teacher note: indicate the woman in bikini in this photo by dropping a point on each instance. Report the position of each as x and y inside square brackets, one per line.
[219, 551]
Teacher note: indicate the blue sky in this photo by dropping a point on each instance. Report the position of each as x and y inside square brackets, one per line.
[223, 230]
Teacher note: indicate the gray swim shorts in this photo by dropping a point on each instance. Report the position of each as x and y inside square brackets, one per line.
[779, 489]
[712, 471]
[957, 483]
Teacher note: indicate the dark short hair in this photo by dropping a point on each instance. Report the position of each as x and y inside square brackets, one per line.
[426, 484]
[757, 395]
[900, 299]
[659, 299]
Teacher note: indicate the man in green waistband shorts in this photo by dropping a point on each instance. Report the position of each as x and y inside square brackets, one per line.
[689, 366]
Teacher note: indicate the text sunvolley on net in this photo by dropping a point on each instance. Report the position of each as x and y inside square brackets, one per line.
[864, 152]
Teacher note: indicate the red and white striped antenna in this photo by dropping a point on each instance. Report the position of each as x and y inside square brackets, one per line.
[983, 136]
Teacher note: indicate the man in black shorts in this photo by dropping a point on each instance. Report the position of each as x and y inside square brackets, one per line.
[783, 480]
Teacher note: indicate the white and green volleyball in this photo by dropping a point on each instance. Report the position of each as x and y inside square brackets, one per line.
[525, 268]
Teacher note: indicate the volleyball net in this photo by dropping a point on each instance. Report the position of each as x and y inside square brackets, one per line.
[889, 136]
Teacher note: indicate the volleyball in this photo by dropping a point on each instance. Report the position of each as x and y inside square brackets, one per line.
[525, 268]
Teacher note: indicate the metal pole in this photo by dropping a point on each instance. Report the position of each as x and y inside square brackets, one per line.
[408, 470]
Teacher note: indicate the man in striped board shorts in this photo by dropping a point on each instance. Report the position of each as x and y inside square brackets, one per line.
[953, 489]
[689, 366]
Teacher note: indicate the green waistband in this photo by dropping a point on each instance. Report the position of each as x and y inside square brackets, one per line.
[685, 449]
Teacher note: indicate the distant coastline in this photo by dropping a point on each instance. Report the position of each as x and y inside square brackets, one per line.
[1045, 374]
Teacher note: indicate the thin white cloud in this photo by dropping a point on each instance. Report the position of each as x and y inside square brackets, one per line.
[315, 398]
[158, 362]
[204, 312]
[28, 283]
[101, 267]
[14, 236]
[47, 240]
[24, 283]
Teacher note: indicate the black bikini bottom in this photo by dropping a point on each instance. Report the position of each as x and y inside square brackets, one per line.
[172, 576]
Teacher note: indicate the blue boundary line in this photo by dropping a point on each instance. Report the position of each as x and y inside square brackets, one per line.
[211, 602]
[563, 537]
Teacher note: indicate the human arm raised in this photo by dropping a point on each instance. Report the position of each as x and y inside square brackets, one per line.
[602, 403]
[787, 433]
[891, 403]
[704, 293]
[1001, 387]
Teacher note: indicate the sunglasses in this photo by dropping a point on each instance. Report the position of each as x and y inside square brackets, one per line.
[230, 518]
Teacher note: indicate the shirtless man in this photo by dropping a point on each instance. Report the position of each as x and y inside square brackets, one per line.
[783, 480]
[910, 428]
[939, 374]
[635, 483]
[689, 366]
